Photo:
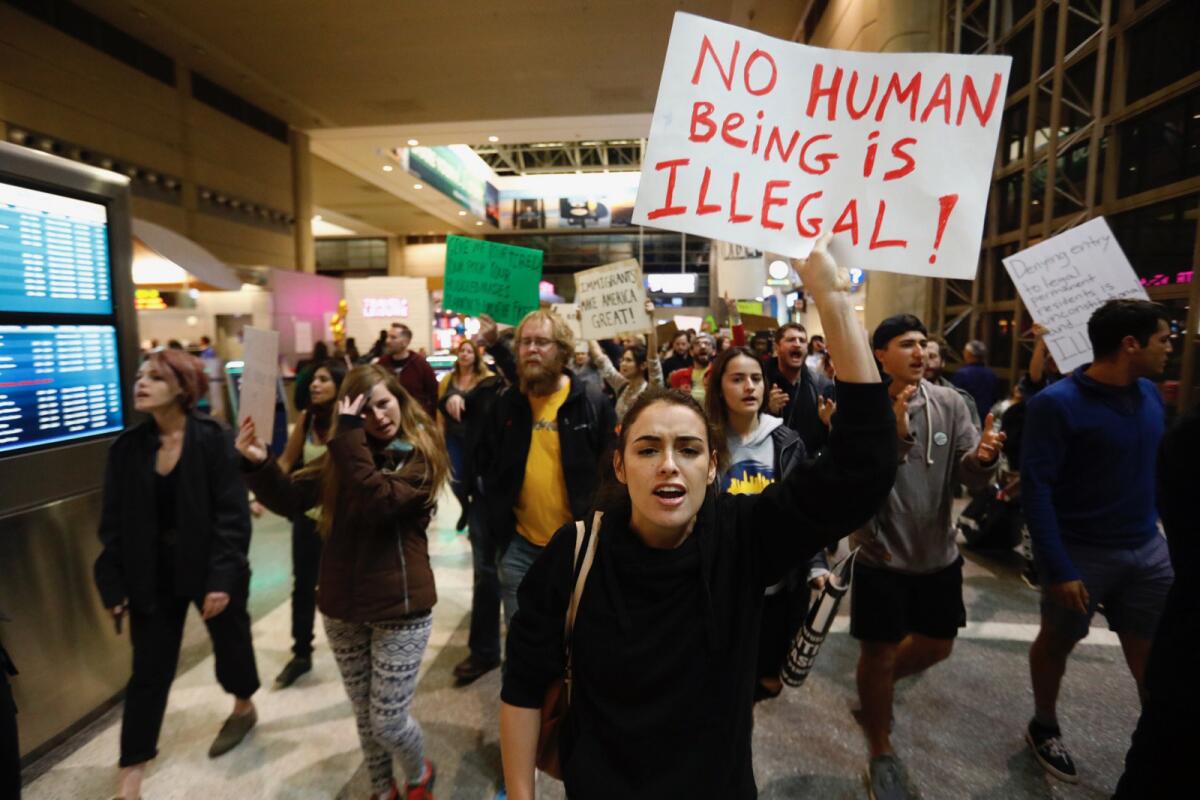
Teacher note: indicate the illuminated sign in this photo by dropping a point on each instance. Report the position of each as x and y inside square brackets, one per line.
[672, 283]
[385, 307]
[1179, 279]
[148, 300]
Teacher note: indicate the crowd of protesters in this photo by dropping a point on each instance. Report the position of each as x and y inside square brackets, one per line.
[694, 497]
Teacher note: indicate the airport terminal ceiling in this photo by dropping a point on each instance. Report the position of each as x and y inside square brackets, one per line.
[367, 64]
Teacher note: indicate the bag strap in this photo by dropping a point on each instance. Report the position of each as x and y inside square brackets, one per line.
[589, 555]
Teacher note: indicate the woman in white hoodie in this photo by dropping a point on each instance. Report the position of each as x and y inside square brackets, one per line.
[757, 451]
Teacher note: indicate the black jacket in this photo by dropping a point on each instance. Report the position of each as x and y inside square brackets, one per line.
[587, 427]
[212, 512]
[666, 640]
[800, 414]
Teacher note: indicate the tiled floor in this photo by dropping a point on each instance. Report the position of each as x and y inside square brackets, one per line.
[958, 727]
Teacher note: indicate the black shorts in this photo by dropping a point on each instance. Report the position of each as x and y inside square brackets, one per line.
[886, 606]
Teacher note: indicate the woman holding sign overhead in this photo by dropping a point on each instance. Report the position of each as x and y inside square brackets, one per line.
[374, 488]
[663, 647]
[640, 366]
[175, 530]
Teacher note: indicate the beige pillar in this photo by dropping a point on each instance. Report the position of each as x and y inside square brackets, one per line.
[395, 253]
[302, 205]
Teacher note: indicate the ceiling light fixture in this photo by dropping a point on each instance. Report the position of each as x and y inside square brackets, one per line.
[462, 213]
[478, 222]
[418, 186]
[387, 167]
[493, 138]
[413, 143]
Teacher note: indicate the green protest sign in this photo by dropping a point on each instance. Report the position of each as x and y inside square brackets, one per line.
[489, 278]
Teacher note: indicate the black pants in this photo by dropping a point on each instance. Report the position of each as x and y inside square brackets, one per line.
[1159, 754]
[783, 614]
[306, 558]
[10, 751]
[156, 636]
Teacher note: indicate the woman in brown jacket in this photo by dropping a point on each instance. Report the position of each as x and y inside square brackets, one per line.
[375, 489]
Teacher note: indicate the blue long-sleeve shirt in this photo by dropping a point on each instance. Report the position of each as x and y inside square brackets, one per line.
[1088, 468]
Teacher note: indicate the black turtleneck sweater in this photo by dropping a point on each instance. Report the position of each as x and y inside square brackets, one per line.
[666, 640]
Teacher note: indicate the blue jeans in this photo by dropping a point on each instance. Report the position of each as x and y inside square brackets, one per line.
[515, 562]
[484, 639]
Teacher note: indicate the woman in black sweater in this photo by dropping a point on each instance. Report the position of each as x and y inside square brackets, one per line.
[175, 530]
[666, 635]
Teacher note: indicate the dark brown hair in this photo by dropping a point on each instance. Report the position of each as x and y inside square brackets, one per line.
[612, 496]
[714, 399]
[782, 330]
[182, 371]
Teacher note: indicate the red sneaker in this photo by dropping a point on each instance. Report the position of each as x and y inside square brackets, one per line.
[424, 789]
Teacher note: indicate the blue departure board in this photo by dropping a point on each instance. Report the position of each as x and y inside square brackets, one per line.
[53, 253]
[57, 382]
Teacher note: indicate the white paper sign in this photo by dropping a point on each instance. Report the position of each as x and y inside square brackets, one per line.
[569, 313]
[302, 341]
[611, 300]
[260, 371]
[768, 143]
[1062, 280]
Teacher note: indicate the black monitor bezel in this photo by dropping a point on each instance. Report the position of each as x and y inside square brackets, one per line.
[55, 470]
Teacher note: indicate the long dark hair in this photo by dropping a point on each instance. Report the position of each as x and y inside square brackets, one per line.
[714, 400]
[612, 496]
[639, 358]
[321, 417]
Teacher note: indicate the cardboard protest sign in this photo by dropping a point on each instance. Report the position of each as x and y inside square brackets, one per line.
[611, 300]
[489, 278]
[570, 314]
[768, 144]
[1063, 279]
[260, 373]
[666, 331]
[759, 322]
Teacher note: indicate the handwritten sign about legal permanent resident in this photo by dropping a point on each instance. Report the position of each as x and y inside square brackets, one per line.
[490, 278]
[611, 300]
[1063, 279]
[767, 143]
[260, 373]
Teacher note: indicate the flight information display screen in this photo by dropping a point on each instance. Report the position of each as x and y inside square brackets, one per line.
[57, 383]
[53, 253]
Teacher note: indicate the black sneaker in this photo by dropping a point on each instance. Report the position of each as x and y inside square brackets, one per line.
[887, 779]
[292, 671]
[1049, 750]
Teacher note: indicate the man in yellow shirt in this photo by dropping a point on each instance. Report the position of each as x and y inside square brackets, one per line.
[542, 445]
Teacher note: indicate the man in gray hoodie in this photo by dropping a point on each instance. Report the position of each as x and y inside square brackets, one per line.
[906, 604]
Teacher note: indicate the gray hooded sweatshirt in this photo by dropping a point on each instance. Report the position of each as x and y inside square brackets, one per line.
[915, 523]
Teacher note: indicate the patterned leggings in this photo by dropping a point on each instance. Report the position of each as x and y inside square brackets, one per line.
[379, 663]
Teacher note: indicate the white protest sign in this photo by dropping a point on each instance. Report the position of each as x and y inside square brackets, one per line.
[1065, 278]
[302, 338]
[570, 315]
[260, 371]
[611, 300]
[768, 143]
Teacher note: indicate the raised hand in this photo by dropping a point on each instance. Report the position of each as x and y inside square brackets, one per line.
[777, 400]
[819, 272]
[989, 444]
[352, 406]
[489, 332]
[248, 443]
[825, 410]
[900, 407]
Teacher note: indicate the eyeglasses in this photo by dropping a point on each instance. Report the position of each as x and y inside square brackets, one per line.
[537, 343]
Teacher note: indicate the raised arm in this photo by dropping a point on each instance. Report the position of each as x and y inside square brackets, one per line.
[489, 334]
[845, 338]
[294, 448]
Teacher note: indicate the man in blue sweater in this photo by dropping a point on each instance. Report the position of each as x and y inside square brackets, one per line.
[1088, 489]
